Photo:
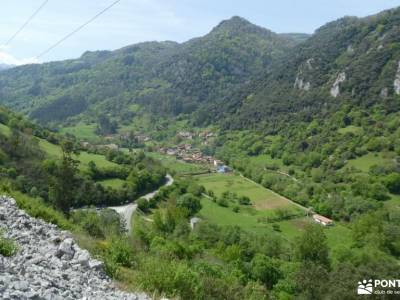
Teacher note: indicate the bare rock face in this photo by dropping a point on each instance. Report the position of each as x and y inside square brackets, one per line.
[49, 264]
[384, 92]
[335, 89]
[301, 84]
[304, 72]
[396, 83]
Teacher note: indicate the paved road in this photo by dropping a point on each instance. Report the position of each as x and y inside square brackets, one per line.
[126, 211]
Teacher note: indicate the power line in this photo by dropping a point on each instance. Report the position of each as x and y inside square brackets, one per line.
[26, 23]
[77, 29]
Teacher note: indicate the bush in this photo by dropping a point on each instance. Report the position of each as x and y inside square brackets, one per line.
[168, 277]
[190, 202]
[143, 205]
[244, 200]
[119, 253]
[392, 182]
[223, 202]
[7, 246]
[37, 208]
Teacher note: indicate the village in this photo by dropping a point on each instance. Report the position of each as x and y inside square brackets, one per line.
[187, 153]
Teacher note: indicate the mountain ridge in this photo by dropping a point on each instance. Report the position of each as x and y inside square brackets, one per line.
[172, 78]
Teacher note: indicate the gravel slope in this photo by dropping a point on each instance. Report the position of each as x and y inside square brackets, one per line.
[49, 264]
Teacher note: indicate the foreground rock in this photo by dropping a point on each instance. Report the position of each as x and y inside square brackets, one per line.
[49, 264]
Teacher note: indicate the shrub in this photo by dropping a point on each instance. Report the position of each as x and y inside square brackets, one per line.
[244, 200]
[143, 204]
[119, 253]
[7, 246]
[223, 202]
[392, 182]
[190, 202]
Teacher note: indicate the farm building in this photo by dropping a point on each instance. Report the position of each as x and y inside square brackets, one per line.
[223, 169]
[194, 221]
[322, 220]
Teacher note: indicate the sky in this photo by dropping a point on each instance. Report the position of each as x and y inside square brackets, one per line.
[133, 21]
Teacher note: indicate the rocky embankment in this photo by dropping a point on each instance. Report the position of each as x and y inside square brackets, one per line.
[49, 264]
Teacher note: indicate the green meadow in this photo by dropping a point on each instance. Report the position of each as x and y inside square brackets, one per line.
[4, 129]
[177, 166]
[265, 204]
[82, 131]
[351, 129]
[114, 183]
[262, 198]
[365, 162]
[84, 157]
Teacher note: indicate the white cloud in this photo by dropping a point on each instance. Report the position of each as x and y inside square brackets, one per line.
[8, 59]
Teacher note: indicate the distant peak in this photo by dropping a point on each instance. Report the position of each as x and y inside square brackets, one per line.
[237, 24]
[233, 22]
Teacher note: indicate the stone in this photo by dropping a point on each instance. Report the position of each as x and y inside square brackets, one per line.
[49, 264]
[335, 89]
[396, 83]
[66, 247]
[83, 258]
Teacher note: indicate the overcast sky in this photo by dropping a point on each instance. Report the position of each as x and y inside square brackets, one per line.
[132, 21]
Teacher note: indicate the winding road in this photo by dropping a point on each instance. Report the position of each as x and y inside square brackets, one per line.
[126, 211]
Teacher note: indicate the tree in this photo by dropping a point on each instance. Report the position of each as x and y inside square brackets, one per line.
[105, 126]
[143, 204]
[312, 246]
[392, 182]
[190, 202]
[265, 269]
[63, 185]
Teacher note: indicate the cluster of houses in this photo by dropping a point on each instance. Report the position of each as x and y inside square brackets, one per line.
[205, 136]
[187, 153]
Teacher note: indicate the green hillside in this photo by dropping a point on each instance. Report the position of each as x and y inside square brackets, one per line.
[165, 77]
[307, 125]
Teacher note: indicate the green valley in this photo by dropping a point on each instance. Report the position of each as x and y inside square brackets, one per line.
[284, 152]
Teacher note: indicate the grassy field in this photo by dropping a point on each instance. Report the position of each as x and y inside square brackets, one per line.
[84, 157]
[265, 204]
[82, 131]
[261, 198]
[363, 163]
[266, 161]
[115, 183]
[177, 166]
[352, 129]
[338, 236]
[226, 216]
[4, 129]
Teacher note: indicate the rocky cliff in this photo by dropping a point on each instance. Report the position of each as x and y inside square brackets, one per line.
[48, 263]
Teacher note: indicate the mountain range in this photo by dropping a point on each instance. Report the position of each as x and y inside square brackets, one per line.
[239, 70]
[5, 66]
[165, 77]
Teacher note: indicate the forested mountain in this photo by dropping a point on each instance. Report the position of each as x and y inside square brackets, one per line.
[5, 67]
[166, 77]
[350, 61]
[315, 119]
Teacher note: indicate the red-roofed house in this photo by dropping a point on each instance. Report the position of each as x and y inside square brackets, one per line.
[322, 220]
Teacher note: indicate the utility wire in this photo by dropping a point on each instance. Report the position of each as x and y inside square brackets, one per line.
[77, 29]
[26, 23]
